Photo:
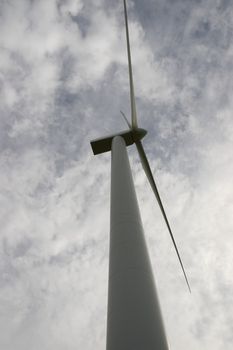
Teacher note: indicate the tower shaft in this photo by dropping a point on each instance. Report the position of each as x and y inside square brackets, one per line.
[134, 317]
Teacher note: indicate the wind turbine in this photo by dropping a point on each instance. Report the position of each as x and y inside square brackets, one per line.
[134, 319]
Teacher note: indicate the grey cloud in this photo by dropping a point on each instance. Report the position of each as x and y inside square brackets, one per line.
[63, 82]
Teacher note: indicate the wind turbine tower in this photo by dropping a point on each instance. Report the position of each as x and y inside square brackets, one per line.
[134, 320]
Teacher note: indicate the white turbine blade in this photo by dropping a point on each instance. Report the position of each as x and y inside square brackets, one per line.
[127, 122]
[132, 97]
[150, 177]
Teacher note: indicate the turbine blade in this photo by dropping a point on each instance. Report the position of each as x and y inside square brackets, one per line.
[150, 177]
[132, 97]
[127, 122]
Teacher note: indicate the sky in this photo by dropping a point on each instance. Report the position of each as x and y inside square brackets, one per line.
[63, 82]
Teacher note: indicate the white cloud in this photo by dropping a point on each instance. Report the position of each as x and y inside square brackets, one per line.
[62, 74]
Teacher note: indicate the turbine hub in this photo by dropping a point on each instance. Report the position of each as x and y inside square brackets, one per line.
[138, 134]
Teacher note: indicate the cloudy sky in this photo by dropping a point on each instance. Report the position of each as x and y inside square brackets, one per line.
[63, 82]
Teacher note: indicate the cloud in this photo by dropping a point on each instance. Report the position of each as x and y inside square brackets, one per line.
[63, 81]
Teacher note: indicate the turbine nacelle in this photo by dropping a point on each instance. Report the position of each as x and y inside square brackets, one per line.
[131, 136]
